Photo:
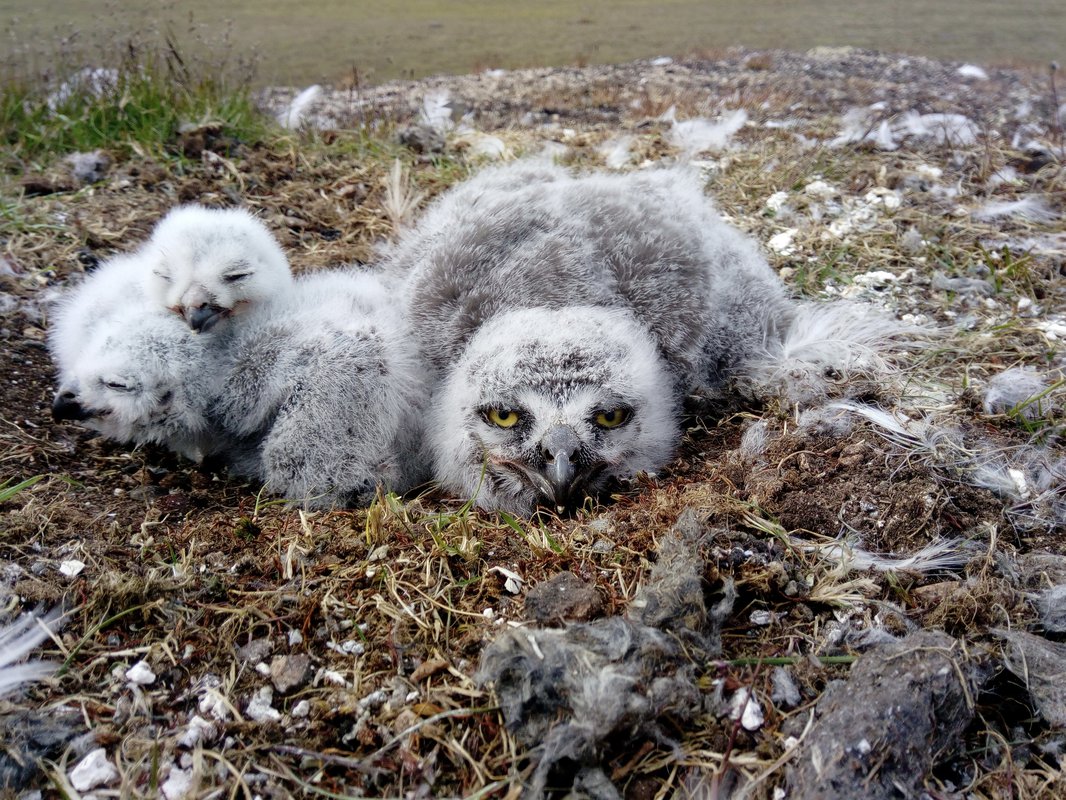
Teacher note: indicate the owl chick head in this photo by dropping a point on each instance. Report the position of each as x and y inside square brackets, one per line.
[143, 377]
[209, 264]
[547, 406]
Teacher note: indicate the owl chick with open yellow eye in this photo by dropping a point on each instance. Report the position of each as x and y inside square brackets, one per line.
[566, 318]
[551, 405]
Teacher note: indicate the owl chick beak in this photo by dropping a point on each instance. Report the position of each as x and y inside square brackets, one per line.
[198, 310]
[203, 318]
[559, 447]
[65, 406]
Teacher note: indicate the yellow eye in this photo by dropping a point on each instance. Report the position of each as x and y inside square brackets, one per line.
[612, 418]
[502, 417]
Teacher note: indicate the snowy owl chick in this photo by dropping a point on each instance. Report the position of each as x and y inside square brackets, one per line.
[328, 383]
[208, 264]
[115, 287]
[549, 405]
[142, 376]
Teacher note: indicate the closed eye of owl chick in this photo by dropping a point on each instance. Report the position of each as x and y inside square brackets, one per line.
[208, 265]
[547, 406]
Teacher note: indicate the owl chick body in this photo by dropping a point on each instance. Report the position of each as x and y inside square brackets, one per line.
[531, 234]
[558, 301]
[327, 383]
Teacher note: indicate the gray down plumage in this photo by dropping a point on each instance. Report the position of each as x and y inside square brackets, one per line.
[533, 235]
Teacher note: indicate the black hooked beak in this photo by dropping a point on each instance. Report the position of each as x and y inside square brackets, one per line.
[65, 406]
[559, 447]
[203, 318]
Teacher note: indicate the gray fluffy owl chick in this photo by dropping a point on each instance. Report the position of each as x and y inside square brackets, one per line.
[142, 376]
[531, 234]
[552, 404]
[208, 264]
[326, 381]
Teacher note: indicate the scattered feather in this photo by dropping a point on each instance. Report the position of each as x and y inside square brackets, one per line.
[972, 71]
[1029, 207]
[1016, 391]
[296, 115]
[436, 111]
[699, 135]
[18, 640]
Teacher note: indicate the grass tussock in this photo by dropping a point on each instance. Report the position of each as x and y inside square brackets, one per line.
[136, 91]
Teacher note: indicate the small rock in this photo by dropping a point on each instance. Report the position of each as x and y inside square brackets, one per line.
[72, 567]
[178, 784]
[92, 771]
[422, 139]
[301, 709]
[260, 707]
[140, 674]
[564, 596]
[255, 651]
[289, 672]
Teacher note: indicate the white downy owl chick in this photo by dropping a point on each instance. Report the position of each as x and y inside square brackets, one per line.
[209, 264]
[328, 383]
[143, 376]
[115, 287]
[550, 405]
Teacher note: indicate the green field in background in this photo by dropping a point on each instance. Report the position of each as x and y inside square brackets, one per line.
[328, 40]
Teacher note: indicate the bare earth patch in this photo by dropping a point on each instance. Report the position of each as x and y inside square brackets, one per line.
[338, 653]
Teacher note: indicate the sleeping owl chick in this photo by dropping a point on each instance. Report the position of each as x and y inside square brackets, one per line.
[142, 376]
[208, 264]
[546, 406]
[328, 383]
[531, 234]
[115, 287]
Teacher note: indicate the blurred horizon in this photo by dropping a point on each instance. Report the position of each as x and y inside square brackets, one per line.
[367, 43]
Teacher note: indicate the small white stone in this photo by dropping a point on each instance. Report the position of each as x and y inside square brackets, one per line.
[877, 277]
[178, 784]
[334, 677]
[295, 637]
[775, 201]
[262, 669]
[301, 709]
[199, 730]
[140, 674]
[92, 771]
[662, 61]
[782, 242]
[488, 613]
[72, 567]
[260, 708]
[819, 189]
[746, 708]
[972, 71]
[864, 746]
